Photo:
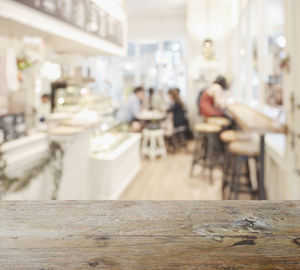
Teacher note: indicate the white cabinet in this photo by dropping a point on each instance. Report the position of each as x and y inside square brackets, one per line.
[276, 181]
[111, 173]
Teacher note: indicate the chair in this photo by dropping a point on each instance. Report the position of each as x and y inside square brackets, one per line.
[220, 121]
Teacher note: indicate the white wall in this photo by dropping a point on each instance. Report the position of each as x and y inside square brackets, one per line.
[156, 25]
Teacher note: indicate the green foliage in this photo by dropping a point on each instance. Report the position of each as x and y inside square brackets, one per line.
[54, 160]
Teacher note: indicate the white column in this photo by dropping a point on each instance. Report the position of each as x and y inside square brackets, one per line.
[236, 49]
[137, 69]
[249, 56]
[262, 49]
[291, 88]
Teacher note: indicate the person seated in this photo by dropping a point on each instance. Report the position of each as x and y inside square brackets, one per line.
[132, 108]
[178, 118]
[177, 109]
[210, 99]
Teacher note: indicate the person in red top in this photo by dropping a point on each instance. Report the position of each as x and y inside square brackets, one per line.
[209, 99]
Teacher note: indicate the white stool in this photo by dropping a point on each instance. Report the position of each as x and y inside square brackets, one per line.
[153, 143]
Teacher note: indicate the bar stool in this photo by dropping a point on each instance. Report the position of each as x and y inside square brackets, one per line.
[227, 137]
[225, 123]
[220, 121]
[243, 152]
[153, 143]
[206, 141]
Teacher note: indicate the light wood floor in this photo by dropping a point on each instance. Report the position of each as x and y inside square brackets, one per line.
[168, 179]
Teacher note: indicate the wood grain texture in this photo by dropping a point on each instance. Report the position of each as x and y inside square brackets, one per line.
[149, 235]
[252, 120]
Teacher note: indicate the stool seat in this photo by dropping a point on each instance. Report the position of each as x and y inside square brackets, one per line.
[153, 132]
[248, 149]
[207, 128]
[221, 121]
[229, 136]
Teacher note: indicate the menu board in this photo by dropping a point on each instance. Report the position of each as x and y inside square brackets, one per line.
[83, 14]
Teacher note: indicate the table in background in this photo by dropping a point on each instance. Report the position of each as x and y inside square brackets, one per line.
[254, 121]
[152, 119]
[73, 235]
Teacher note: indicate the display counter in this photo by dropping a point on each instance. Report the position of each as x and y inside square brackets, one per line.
[112, 170]
[95, 164]
[75, 143]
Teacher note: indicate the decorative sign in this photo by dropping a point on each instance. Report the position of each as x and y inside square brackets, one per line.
[83, 14]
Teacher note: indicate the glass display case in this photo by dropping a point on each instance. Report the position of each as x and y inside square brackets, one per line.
[76, 98]
[114, 161]
[107, 138]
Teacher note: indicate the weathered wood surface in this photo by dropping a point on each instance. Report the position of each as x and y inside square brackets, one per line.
[149, 235]
[252, 120]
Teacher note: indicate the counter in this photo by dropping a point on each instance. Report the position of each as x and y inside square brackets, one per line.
[254, 120]
[85, 175]
[111, 173]
[150, 235]
[276, 167]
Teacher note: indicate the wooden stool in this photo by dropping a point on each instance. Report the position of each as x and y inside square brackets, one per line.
[220, 121]
[153, 143]
[206, 136]
[227, 137]
[243, 152]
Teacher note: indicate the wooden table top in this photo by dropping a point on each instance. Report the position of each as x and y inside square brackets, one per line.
[149, 235]
[253, 120]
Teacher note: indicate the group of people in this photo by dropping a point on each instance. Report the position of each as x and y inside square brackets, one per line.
[210, 103]
[138, 101]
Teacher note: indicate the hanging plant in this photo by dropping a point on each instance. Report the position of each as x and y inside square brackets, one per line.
[23, 63]
[54, 160]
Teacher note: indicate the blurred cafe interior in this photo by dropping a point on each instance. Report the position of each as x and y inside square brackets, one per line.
[149, 100]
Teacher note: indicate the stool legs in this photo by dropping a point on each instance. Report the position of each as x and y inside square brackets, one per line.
[162, 146]
[210, 156]
[153, 144]
[145, 145]
[205, 152]
[236, 187]
[152, 154]
[199, 152]
[238, 174]
[227, 171]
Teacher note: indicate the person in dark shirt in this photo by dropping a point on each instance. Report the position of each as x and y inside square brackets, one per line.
[177, 109]
[180, 122]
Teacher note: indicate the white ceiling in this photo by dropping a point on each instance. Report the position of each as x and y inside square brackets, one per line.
[148, 5]
[212, 18]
